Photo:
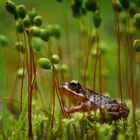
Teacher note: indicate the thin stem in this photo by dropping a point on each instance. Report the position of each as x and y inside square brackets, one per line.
[23, 65]
[80, 47]
[22, 80]
[94, 73]
[30, 133]
[119, 51]
[53, 103]
[53, 91]
[100, 60]
[60, 99]
[119, 58]
[87, 58]
[21, 91]
[127, 56]
[61, 59]
[131, 77]
[100, 72]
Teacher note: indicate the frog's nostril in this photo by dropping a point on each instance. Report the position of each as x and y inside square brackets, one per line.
[64, 85]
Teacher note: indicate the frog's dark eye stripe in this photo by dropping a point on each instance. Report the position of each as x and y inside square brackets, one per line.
[74, 85]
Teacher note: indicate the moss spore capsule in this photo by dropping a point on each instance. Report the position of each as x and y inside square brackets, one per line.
[10, 6]
[21, 72]
[35, 31]
[97, 19]
[37, 20]
[26, 21]
[55, 58]
[16, 14]
[20, 47]
[91, 5]
[77, 10]
[78, 3]
[132, 10]
[20, 26]
[37, 43]
[136, 45]
[44, 63]
[137, 17]
[137, 20]
[32, 13]
[125, 4]
[117, 6]
[45, 34]
[76, 6]
[22, 11]
[56, 31]
[3, 40]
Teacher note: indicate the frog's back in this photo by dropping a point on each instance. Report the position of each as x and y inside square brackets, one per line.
[99, 100]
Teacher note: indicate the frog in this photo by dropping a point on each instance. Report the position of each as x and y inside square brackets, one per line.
[86, 100]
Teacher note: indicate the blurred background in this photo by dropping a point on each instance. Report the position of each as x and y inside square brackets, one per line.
[54, 12]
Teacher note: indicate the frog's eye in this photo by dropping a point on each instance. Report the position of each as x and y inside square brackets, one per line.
[75, 85]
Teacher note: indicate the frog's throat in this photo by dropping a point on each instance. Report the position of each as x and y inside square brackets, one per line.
[72, 95]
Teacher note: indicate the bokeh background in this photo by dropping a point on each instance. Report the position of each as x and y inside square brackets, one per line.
[54, 12]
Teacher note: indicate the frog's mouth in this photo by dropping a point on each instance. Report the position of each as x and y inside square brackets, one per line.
[71, 94]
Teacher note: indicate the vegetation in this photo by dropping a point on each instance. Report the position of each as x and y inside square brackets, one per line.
[100, 50]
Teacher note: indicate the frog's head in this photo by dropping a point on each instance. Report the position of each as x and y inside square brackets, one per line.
[74, 86]
[73, 90]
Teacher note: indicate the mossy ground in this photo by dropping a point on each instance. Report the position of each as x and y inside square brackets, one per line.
[79, 125]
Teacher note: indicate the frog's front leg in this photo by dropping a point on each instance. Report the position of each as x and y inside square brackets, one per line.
[78, 108]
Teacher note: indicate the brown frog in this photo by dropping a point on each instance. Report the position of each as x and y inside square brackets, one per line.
[86, 100]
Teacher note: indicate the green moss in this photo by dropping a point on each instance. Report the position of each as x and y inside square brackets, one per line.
[78, 126]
